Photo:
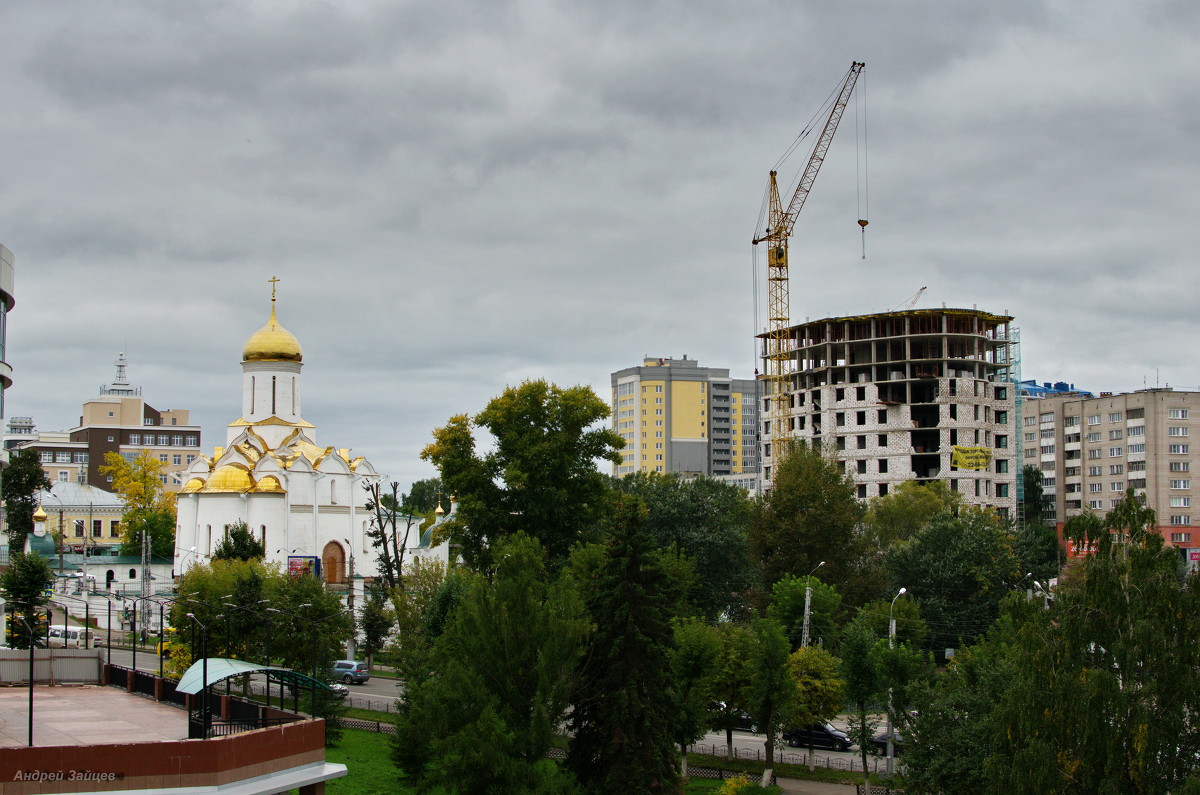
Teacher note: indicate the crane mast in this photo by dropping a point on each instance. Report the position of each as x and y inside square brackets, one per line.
[779, 228]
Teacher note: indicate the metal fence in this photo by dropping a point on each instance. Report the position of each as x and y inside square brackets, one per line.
[852, 764]
[50, 666]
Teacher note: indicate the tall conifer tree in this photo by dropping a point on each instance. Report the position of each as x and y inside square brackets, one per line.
[623, 711]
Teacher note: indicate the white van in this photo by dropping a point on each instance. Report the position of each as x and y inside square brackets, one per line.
[69, 637]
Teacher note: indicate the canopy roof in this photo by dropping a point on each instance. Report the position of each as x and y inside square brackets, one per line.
[220, 669]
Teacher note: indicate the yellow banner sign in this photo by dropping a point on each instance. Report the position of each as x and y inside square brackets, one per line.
[971, 457]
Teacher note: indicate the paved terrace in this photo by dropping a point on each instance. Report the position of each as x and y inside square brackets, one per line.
[86, 715]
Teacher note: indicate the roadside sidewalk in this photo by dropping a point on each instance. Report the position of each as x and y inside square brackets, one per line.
[795, 785]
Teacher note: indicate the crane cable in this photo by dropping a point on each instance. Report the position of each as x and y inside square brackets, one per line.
[862, 175]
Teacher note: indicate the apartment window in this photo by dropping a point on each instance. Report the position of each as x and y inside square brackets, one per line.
[192, 441]
[883, 467]
[79, 528]
[191, 458]
[1115, 435]
[1177, 430]
[1178, 449]
[860, 393]
[62, 457]
[883, 440]
[162, 457]
[1117, 485]
[1047, 433]
[862, 466]
[862, 491]
[840, 418]
[114, 528]
[1094, 472]
[1001, 489]
[1001, 465]
[135, 438]
[1031, 436]
[1071, 422]
[79, 458]
[839, 394]
[1116, 469]
[1047, 449]
[1002, 418]
[658, 388]
[1181, 466]
[1181, 502]
[1093, 419]
[883, 489]
[1177, 414]
[658, 457]
[1002, 441]
[1048, 482]
[63, 476]
[658, 400]
[95, 528]
[1095, 488]
[1030, 420]
[1001, 393]
[658, 445]
[882, 416]
[1181, 538]
[1115, 417]
[862, 442]
[658, 412]
[1096, 505]
[177, 440]
[1181, 484]
[1137, 430]
[860, 417]
[1140, 447]
[1116, 452]
[1094, 436]
[1137, 466]
[1178, 519]
[1047, 466]
[45, 457]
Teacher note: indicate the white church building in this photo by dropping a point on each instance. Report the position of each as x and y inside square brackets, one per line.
[305, 502]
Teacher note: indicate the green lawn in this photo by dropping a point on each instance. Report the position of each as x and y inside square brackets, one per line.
[367, 755]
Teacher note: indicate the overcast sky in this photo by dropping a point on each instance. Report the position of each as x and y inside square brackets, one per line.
[458, 196]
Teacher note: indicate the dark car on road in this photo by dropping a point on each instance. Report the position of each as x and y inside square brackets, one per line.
[879, 743]
[819, 735]
[350, 671]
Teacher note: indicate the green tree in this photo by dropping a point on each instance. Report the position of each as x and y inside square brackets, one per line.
[1033, 499]
[23, 582]
[541, 476]
[706, 520]
[423, 497]
[378, 618]
[730, 683]
[1104, 696]
[308, 623]
[238, 544]
[899, 515]
[958, 568]
[623, 710]
[386, 535]
[910, 628]
[693, 661]
[501, 670]
[811, 515]
[788, 597]
[820, 691]
[148, 508]
[20, 482]
[863, 685]
[772, 696]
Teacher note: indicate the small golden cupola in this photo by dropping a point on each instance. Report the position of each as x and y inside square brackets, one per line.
[272, 342]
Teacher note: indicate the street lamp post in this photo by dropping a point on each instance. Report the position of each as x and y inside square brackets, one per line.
[891, 750]
[205, 695]
[808, 601]
[32, 613]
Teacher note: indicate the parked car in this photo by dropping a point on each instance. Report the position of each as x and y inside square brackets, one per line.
[819, 735]
[879, 743]
[350, 671]
[339, 689]
[741, 719]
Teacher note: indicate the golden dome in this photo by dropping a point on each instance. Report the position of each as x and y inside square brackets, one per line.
[39, 515]
[229, 478]
[268, 484]
[272, 343]
[192, 486]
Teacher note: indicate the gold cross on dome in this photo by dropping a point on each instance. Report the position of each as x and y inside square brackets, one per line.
[274, 280]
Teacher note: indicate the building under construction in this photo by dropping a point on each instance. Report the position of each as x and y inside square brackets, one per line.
[924, 394]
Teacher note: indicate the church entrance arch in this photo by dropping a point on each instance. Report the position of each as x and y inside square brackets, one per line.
[333, 563]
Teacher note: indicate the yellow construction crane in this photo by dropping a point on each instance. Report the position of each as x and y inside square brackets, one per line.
[779, 228]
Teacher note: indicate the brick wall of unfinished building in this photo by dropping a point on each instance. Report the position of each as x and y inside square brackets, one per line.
[916, 407]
